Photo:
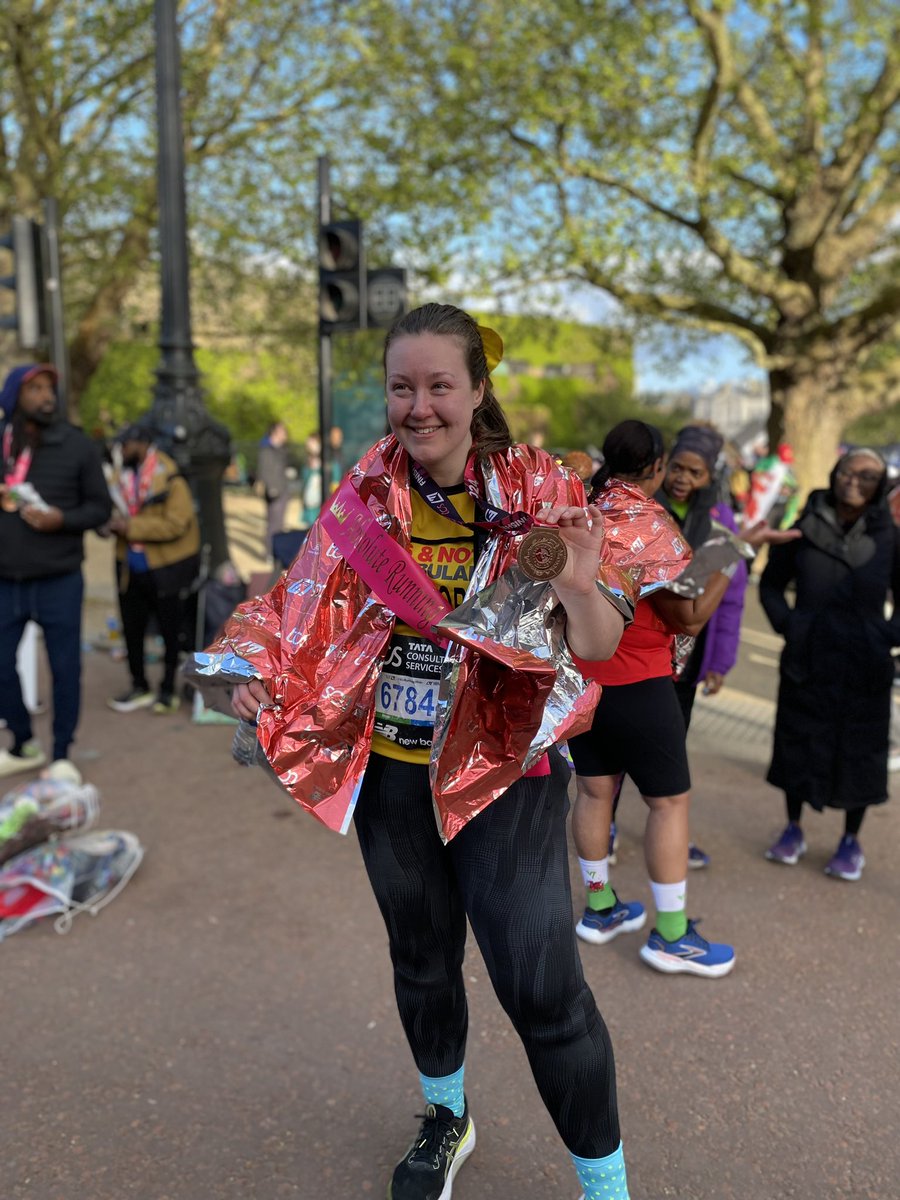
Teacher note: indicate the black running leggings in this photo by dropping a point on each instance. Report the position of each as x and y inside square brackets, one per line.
[507, 870]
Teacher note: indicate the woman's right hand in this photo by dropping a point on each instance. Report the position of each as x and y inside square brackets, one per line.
[248, 698]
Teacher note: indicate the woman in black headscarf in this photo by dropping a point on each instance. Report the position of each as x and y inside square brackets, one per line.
[831, 729]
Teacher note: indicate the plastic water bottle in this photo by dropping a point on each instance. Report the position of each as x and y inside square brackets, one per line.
[245, 746]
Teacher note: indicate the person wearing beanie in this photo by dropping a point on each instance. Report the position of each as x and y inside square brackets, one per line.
[691, 494]
[52, 491]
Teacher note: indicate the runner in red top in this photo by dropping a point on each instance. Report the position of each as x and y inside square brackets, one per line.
[638, 729]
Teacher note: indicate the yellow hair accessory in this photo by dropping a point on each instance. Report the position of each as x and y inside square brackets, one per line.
[493, 346]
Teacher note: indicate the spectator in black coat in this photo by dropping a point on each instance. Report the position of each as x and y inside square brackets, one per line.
[834, 697]
[53, 490]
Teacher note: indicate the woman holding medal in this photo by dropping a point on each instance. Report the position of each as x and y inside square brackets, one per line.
[381, 711]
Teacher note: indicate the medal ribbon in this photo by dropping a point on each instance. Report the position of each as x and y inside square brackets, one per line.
[137, 485]
[497, 520]
[20, 467]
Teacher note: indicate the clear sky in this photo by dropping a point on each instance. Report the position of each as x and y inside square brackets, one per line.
[661, 365]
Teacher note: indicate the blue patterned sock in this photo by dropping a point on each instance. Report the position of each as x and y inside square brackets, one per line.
[446, 1090]
[603, 1178]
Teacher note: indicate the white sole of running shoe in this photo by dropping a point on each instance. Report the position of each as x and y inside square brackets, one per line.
[13, 764]
[791, 861]
[596, 938]
[850, 876]
[671, 964]
[131, 706]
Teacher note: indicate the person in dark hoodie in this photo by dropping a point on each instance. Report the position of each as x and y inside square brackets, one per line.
[691, 492]
[834, 697]
[53, 490]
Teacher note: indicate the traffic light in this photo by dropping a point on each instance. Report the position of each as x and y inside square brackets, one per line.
[342, 277]
[385, 296]
[26, 281]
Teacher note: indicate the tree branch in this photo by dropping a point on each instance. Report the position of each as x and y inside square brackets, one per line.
[813, 79]
[673, 307]
[865, 129]
[867, 325]
[711, 23]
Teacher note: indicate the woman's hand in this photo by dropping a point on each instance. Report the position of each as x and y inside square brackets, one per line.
[248, 698]
[762, 534]
[593, 624]
[712, 683]
[582, 531]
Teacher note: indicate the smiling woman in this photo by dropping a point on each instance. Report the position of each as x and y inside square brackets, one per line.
[834, 697]
[431, 401]
[384, 714]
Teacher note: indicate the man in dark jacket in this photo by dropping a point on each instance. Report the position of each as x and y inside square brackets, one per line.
[53, 490]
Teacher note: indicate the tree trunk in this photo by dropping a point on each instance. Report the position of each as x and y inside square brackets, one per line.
[810, 420]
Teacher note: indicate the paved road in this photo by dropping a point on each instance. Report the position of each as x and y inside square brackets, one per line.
[225, 1030]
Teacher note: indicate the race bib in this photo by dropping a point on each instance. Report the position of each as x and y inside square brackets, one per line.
[407, 692]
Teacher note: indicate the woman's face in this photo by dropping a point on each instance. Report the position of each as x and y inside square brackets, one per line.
[430, 402]
[686, 474]
[856, 480]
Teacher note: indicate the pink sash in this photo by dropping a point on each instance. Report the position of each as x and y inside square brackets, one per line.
[386, 567]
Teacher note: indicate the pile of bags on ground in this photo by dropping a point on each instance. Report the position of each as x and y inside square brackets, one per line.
[50, 864]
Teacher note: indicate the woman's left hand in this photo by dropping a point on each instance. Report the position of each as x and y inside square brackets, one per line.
[712, 684]
[582, 531]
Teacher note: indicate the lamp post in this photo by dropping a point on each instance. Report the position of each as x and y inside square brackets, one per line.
[199, 445]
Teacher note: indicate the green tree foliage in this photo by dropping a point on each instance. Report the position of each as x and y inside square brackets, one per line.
[264, 85]
[727, 163]
[246, 391]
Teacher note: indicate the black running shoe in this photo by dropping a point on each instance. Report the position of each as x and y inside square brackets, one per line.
[441, 1147]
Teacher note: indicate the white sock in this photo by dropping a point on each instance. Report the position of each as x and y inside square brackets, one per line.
[669, 897]
[594, 870]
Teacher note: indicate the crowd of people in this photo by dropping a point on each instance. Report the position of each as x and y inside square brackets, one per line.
[463, 607]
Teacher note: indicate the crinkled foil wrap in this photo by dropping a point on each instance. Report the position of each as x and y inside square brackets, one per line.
[318, 640]
[641, 540]
[721, 551]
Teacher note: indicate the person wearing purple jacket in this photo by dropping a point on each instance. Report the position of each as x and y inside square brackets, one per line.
[691, 494]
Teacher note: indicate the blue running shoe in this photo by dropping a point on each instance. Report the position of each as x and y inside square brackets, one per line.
[691, 954]
[600, 927]
[697, 860]
[789, 848]
[848, 860]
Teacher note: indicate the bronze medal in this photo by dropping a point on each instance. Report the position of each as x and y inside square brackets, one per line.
[542, 554]
[8, 503]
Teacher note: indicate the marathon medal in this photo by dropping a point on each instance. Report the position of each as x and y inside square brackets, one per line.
[8, 503]
[542, 554]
